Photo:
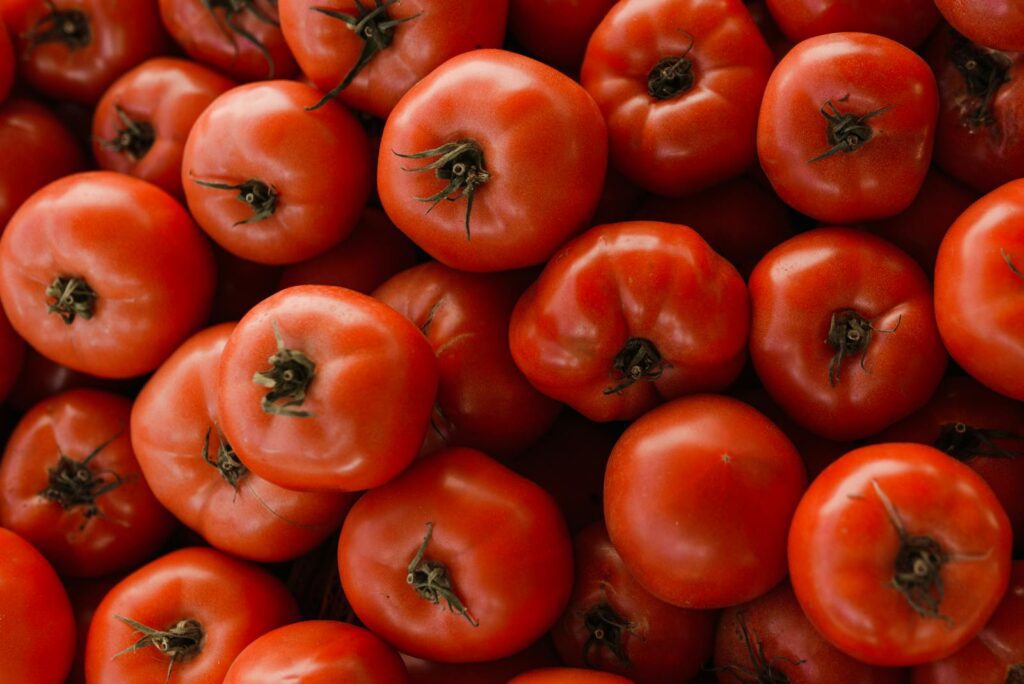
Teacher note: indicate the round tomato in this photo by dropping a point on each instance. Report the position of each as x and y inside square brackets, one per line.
[996, 23]
[843, 334]
[698, 495]
[906, 21]
[679, 83]
[846, 127]
[322, 388]
[104, 273]
[459, 559]
[979, 290]
[899, 554]
[556, 31]
[517, 148]
[629, 315]
[568, 675]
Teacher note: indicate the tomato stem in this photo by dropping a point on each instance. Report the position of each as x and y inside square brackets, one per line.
[461, 163]
[133, 139]
[1009, 262]
[72, 483]
[762, 670]
[234, 9]
[1015, 674]
[605, 627]
[72, 297]
[638, 359]
[431, 581]
[260, 197]
[180, 642]
[845, 132]
[288, 379]
[964, 442]
[850, 334]
[226, 462]
[672, 75]
[70, 27]
[984, 72]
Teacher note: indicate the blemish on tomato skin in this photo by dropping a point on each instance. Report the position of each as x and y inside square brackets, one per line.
[726, 458]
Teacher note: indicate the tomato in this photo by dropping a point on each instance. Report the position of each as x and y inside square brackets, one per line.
[74, 49]
[540, 654]
[843, 334]
[846, 127]
[770, 640]
[568, 675]
[33, 604]
[906, 21]
[70, 484]
[85, 596]
[997, 654]
[934, 570]
[141, 122]
[698, 495]
[241, 285]
[996, 23]
[629, 315]
[6, 62]
[679, 83]
[317, 651]
[483, 400]
[104, 273]
[979, 290]
[241, 38]
[38, 149]
[556, 31]
[186, 615]
[517, 148]
[193, 470]
[369, 53]
[345, 401]
[614, 624]
[459, 559]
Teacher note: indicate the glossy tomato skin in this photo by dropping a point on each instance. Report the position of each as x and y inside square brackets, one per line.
[207, 36]
[556, 31]
[996, 23]
[613, 624]
[134, 246]
[770, 636]
[318, 652]
[694, 136]
[369, 399]
[486, 525]
[430, 33]
[698, 495]
[174, 419]
[568, 675]
[233, 603]
[542, 141]
[848, 588]
[905, 21]
[860, 75]
[315, 164]
[805, 285]
[162, 98]
[979, 290]
[574, 333]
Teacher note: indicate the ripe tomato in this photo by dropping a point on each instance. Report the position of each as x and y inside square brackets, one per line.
[556, 31]
[843, 334]
[614, 624]
[193, 470]
[568, 675]
[458, 560]
[185, 616]
[369, 53]
[631, 302]
[899, 554]
[104, 273]
[317, 651]
[979, 290]
[271, 182]
[906, 21]
[517, 148]
[141, 122]
[996, 23]
[846, 127]
[698, 495]
[241, 38]
[39, 630]
[679, 83]
[347, 396]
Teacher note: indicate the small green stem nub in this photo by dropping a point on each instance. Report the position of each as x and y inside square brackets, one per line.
[431, 581]
[260, 197]
[762, 669]
[849, 333]
[70, 27]
[72, 483]
[226, 462]
[180, 642]
[845, 132]
[984, 72]
[461, 164]
[233, 9]
[72, 297]
[606, 628]
[638, 359]
[1009, 262]
[964, 442]
[288, 380]
[133, 139]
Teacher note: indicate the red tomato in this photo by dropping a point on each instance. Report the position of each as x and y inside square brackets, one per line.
[6, 62]
[906, 21]
[271, 182]
[770, 640]
[193, 470]
[317, 652]
[74, 49]
[899, 554]
[540, 654]
[614, 624]
[995, 23]
[477, 126]
[39, 629]
[104, 273]
[679, 83]
[345, 401]
[185, 616]
[698, 495]
[141, 122]
[979, 290]
[556, 31]
[846, 127]
[631, 302]
[369, 53]
[568, 675]
[242, 38]
[457, 560]
[843, 334]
